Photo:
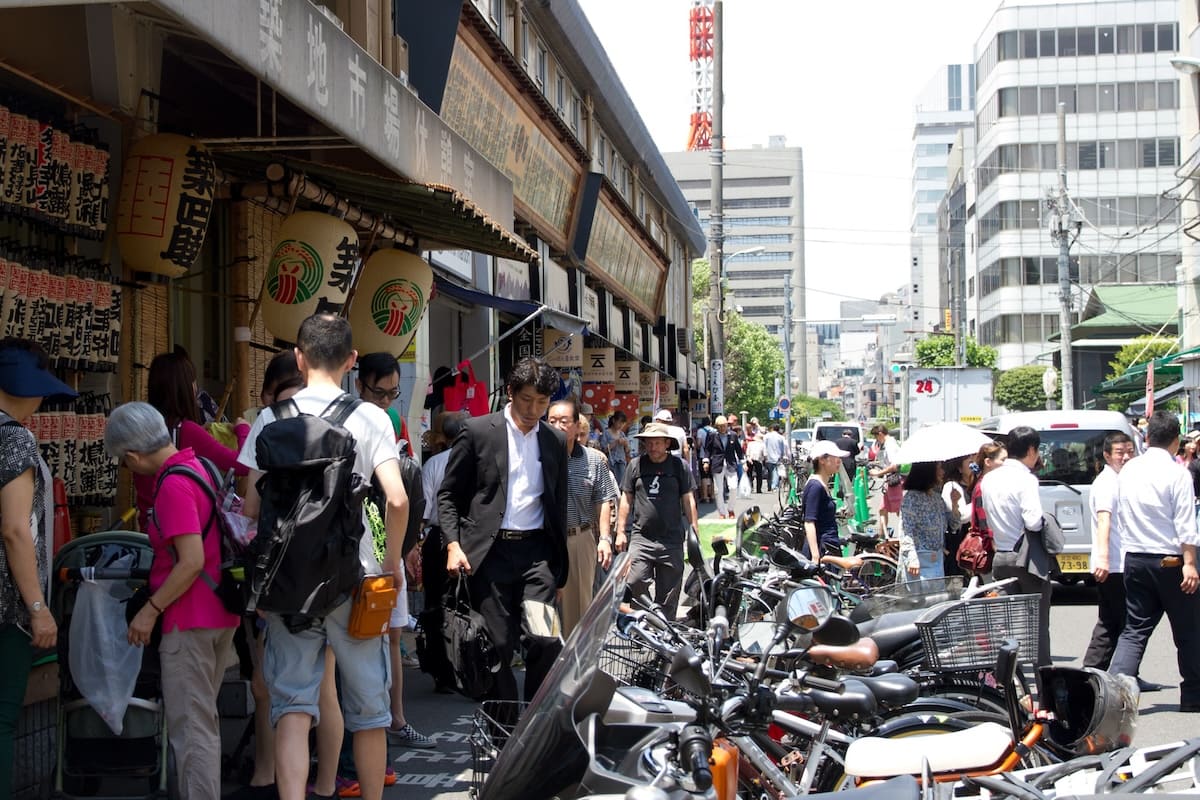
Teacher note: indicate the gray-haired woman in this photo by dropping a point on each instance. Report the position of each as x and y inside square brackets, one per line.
[197, 630]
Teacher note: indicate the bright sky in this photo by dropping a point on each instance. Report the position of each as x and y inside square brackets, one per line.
[837, 79]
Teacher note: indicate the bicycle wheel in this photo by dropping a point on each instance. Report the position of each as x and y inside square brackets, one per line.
[878, 571]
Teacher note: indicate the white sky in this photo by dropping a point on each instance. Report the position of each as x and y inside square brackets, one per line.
[838, 79]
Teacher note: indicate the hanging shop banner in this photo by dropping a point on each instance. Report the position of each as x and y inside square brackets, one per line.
[635, 338]
[617, 252]
[647, 386]
[627, 402]
[558, 286]
[512, 279]
[668, 394]
[716, 386]
[698, 407]
[590, 305]
[311, 269]
[167, 186]
[389, 301]
[656, 350]
[627, 376]
[599, 364]
[456, 262]
[600, 396]
[562, 350]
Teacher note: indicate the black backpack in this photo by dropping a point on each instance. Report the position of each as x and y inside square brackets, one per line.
[304, 560]
[231, 588]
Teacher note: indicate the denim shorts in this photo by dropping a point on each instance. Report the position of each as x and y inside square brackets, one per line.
[294, 663]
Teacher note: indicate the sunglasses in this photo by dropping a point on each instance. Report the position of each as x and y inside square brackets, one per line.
[377, 392]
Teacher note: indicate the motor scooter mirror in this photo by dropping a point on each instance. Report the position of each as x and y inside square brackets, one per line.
[837, 632]
[809, 607]
[755, 637]
[720, 546]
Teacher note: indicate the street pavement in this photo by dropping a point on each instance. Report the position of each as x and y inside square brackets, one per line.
[445, 773]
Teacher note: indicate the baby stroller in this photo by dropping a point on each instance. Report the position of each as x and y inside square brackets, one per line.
[92, 761]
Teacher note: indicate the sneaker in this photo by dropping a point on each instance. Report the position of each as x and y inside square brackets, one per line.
[409, 737]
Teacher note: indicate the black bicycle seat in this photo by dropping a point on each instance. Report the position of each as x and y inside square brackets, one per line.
[857, 700]
[892, 691]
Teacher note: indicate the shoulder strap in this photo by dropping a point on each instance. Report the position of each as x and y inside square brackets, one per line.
[337, 412]
[191, 474]
[285, 409]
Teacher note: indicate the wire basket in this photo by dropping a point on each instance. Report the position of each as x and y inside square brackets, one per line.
[491, 726]
[967, 636]
[629, 663]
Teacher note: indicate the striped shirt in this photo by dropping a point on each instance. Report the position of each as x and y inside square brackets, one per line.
[590, 483]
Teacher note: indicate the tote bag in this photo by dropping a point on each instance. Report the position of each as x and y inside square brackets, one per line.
[467, 393]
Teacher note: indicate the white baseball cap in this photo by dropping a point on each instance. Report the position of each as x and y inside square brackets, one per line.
[664, 415]
[826, 448]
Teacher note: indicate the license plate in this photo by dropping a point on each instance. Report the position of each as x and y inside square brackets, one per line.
[1074, 562]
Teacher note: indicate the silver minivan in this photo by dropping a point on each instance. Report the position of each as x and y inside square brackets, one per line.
[1072, 455]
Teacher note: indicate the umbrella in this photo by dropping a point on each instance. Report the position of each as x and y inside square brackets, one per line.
[941, 442]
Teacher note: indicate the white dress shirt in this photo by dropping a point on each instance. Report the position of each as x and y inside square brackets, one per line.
[1156, 505]
[1103, 497]
[1012, 504]
[431, 480]
[523, 511]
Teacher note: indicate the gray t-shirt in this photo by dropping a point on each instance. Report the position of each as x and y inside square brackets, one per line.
[658, 491]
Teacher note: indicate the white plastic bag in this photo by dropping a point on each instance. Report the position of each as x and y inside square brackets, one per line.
[104, 665]
[744, 486]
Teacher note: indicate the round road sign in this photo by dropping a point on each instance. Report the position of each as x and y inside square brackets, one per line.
[784, 403]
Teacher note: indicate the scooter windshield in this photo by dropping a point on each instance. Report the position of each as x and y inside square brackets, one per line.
[545, 754]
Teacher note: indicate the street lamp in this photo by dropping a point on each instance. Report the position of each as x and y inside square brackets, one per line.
[725, 276]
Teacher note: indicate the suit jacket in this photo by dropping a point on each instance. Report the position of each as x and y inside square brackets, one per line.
[717, 456]
[474, 491]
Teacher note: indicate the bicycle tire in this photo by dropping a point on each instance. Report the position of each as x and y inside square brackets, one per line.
[878, 571]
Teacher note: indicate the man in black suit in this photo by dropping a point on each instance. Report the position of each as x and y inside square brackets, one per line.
[724, 453]
[503, 511]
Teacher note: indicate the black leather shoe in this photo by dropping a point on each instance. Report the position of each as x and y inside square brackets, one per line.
[1149, 686]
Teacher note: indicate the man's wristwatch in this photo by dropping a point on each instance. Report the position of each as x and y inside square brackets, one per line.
[36, 606]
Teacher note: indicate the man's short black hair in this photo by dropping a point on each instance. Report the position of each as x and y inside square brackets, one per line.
[1021, 440]
[573, 402]
[646, 421]
[282, 367]
[533, 372]
[1162, 429]
[325, 340]
[775, 427]
[1115, 438]
[374, 366]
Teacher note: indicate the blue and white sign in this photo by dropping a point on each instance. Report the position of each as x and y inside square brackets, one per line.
[785, 403]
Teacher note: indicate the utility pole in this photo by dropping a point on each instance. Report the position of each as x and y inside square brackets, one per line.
[716, 227]
[1061, 233]
[787, 356]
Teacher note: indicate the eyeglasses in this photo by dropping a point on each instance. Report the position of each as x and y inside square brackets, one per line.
[375, 390]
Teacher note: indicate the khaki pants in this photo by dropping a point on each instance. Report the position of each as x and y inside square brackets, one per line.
[581, 579]
[193, 665]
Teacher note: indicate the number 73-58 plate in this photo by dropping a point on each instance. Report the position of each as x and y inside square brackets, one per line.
[1074, 562]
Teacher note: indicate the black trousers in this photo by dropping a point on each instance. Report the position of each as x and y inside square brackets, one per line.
[513, 572]
[1003, 567]
[1110, 609]
[757, 473]
[1152, 590]
[433, 572]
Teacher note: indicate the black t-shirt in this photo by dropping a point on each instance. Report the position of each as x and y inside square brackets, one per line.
[658, 491]
[850, 445]
[820, 508]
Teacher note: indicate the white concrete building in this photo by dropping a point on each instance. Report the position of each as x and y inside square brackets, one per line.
[1188, 67]
[943, 108]
[1108, 61]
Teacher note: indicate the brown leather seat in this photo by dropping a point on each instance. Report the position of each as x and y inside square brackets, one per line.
[861, 655]
[853, 562]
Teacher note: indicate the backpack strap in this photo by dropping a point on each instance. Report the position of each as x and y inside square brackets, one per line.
[337, 412]
[195, 477]
[285, 409]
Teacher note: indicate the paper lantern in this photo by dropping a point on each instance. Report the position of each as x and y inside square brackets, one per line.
[312, 266]
[392, 295]
[166, 201]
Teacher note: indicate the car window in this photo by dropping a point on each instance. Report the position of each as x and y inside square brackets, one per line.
[1071, 455]
[802, 436]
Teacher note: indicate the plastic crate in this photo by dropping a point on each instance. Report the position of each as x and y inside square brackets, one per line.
[967, 635]
[491, 726]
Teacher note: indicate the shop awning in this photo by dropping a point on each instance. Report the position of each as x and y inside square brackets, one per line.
[559, 320]
[1166, 393]
[1168, 368]
[437, 217]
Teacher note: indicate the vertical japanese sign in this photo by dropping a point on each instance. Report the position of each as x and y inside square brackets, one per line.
[716, 386]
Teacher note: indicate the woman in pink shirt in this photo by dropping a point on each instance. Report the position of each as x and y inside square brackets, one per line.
[172, 391]
[197, 631]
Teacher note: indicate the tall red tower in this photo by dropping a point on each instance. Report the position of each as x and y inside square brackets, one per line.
[700, 25]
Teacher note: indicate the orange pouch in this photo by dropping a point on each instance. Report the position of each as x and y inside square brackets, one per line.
[374, 600]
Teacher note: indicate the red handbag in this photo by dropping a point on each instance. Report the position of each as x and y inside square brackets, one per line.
[467, 393]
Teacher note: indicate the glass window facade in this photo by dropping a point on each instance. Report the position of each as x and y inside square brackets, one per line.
[1089, 155]
[1069, 42]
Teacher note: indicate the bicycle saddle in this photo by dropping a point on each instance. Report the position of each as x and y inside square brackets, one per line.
[979, 747]
[857, 657]
[857, 700]
[892, 691]
[865, 539]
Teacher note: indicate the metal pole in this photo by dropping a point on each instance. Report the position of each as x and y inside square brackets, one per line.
[787, 353]
[716, 232]
[1062, 233]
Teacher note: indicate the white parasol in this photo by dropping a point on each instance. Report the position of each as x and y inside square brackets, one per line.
[941, 442]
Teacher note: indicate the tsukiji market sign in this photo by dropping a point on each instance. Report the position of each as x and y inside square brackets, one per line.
[616, 251]
[325, 72]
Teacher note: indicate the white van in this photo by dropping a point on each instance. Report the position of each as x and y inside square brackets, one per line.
[1072, 452]
[832, 431]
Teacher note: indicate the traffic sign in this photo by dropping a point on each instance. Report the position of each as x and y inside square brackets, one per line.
[785, 403]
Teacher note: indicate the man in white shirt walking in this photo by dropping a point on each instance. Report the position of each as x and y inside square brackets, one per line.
[1014, 511]
[1157, 518]
[774, 449]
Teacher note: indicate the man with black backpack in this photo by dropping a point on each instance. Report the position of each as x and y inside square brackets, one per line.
[311, 459]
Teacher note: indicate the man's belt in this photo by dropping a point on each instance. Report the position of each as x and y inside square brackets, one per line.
[515, 536]
[574, 529]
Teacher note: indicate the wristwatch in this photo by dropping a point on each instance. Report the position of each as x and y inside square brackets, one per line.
[36, 606]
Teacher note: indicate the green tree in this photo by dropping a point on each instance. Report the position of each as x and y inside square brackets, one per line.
[1138, 351]
[807, 409]
[938, 351]
[1020, 388]
[886, 414]
[752, 360]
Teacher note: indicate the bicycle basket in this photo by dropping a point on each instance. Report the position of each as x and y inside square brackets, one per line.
[491, 726]
[967, 635]
[629, 663]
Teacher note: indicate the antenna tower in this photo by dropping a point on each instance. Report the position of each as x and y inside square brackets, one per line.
[700, 26]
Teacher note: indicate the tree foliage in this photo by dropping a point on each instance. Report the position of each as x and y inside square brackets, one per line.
[807, 410]
[938, 351]
[1140, 350]
[1020, 388]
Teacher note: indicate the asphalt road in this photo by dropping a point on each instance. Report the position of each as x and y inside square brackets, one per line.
[445, 773]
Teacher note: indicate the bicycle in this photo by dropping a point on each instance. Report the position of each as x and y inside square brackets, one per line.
[794, 473]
